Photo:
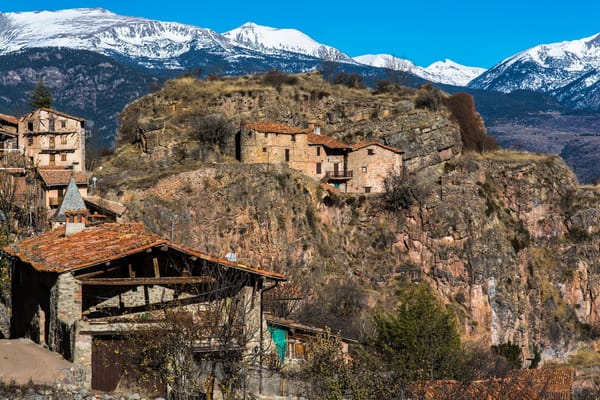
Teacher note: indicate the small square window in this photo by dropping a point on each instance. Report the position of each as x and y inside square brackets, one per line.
[264, 149]
[63, 157]
[367, 189]
[363, 169]
[30, 126]
[63, 123]
[370, 152]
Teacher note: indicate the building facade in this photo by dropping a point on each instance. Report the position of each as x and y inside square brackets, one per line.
[50, 138]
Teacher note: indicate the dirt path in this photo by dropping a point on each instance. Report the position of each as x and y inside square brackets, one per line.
[21, 360]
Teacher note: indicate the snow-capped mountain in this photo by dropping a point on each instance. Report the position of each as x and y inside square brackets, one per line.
[107, 33]
[275, 40]
[447, 72]
[546, 68]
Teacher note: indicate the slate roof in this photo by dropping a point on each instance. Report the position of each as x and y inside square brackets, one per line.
[327, 141]
[275, 127]
[61, 177]
[72, 201]
[362, 145]
[55, 252]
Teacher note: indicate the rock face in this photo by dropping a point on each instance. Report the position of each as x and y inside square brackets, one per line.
[509, 239]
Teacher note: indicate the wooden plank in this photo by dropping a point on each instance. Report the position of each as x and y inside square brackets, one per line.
[96, 273]
[167, 280]
[156, 269]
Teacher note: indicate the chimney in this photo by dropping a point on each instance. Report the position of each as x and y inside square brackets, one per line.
[316, 128]
[75, 221]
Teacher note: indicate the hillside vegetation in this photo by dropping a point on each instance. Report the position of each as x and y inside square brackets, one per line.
[508, 240]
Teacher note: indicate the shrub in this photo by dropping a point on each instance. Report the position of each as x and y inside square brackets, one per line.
[397, 193]
[472, 130]
[277, 79]
[212, 129]
[510, 351]
[428, 96]
[354, 81]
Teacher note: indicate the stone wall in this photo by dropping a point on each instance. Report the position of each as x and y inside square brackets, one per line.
[370, 165]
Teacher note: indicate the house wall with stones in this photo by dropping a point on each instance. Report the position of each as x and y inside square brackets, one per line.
[51, 138]
[370, 165]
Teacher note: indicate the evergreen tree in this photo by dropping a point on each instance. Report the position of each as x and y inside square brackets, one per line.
[421, 339]
[40, 97]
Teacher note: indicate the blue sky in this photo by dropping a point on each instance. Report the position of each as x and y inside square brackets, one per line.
[477, 33]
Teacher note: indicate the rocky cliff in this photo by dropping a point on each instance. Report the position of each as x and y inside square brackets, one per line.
[509, 239]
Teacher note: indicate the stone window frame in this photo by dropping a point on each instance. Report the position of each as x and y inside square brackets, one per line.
[363, 169]
[370, 152]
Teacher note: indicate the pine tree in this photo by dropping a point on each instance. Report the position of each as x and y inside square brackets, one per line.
[40, 97]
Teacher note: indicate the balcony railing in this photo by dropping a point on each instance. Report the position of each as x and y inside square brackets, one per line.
[338, 174]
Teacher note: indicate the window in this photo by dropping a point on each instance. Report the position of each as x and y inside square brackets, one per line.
[370, 152]
[367, 189]
[63, 123]
[318, 168]
[51, 125]
[52, 159]
[52, 142]
[318, 151]
[30, 141]
[287, 155]
[30, 126]
[63, 139]
[264, 149]
[293, 138]
[63, 157]
[363, 169]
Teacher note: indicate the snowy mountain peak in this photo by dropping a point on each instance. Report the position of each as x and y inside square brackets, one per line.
[545, 67]
[447, 72]
[102, 31]
[275, 40]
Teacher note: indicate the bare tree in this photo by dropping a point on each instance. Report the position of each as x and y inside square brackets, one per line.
[398, 69]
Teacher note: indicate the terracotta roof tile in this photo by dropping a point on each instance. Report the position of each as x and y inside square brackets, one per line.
[53, 252]
[361, 145]
[61, 177]
[275, 127]
[327, 141]
[9, 118]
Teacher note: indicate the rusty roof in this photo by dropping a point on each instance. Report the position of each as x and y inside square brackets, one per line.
[55, 252]
[361, 145]
[327, 141]
[275, 127]
[9, 118]
[532, 384]
[61, 177]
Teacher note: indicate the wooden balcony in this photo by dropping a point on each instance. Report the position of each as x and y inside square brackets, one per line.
[338, 175]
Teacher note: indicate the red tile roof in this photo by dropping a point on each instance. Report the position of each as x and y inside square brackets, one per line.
[55, 252]
[9, 118]
[275, 127]
[361, 145]
[61, 177]
[327, 141]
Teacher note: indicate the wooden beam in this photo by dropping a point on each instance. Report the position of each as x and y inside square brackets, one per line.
[156, 269]
[96, 273]
[167, 280]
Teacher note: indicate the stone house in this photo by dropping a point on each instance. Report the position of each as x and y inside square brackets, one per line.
[52, 138]
[371, 163]
[8, 132]
[54, 183]
[79, 289]
[360, 168]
